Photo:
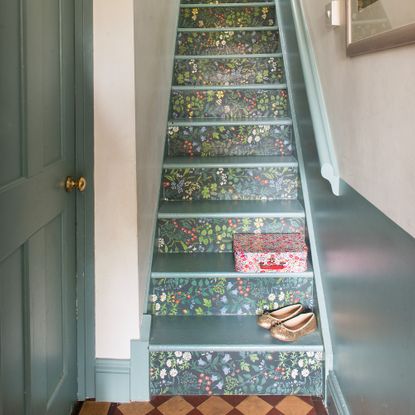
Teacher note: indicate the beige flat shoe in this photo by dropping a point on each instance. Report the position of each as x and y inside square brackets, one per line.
[274, 317]
[299, 326]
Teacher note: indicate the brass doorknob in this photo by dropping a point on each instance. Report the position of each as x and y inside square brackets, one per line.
[72, 184]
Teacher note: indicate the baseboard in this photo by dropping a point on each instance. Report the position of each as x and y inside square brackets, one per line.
[336, 404]
[112, 380]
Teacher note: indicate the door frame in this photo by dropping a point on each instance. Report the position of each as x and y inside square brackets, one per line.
[84, 120]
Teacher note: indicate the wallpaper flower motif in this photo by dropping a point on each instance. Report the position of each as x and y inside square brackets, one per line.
[197, 17]
[241, 71]
[236, 373]
[226, 296]
[229, 104]
[222, 140]
[216, 234]
[228, 42]
[260, 183]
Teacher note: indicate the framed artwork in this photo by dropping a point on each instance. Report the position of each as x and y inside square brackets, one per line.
[374, 25]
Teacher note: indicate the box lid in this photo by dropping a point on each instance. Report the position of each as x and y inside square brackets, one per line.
[269, 242]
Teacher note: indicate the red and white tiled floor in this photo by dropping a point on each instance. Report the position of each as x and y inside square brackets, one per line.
[210, 405]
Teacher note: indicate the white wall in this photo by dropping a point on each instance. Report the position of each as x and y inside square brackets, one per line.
[371, 101]
[116, 247]
[133, 57]
[155, 34]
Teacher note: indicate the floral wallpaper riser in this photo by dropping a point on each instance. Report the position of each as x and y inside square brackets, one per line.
[226, 296]
[243, 140]
[236, 373]
[259, 183]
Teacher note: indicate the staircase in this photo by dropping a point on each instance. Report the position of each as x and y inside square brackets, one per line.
[230, 166]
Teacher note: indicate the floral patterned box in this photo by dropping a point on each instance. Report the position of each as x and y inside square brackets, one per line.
[284, 252]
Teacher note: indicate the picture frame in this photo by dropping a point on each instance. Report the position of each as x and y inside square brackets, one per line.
[375, 25]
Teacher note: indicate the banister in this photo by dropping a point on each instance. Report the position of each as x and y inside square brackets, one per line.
[321, 124]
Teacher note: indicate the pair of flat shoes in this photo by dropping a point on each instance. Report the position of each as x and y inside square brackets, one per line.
[288, 323]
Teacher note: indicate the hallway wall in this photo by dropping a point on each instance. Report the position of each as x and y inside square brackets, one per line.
[133, 58]
[116, 247]
[370, 101]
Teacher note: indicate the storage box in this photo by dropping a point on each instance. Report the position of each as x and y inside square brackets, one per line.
[285, 252]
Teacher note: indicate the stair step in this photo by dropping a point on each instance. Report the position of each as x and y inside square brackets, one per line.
[229, 162]
[221, 2]
[229, 104]
[223, 17]
[228, 72]
[209, 265]
[227, 296]
[229, 56]
[199, 355]
[231, 209]
[223, 42]
[230, 140]
[235, 122]
[218, 333]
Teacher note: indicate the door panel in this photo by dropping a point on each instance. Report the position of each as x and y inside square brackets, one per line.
[12, 351]
[37, 216]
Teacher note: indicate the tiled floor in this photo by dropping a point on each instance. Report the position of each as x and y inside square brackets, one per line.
[210, 405]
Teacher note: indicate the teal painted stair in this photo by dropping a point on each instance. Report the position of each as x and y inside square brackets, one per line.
[230, 167]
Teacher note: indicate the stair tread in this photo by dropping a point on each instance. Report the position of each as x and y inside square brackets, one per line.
[238, 333]
[234, 208]
[233, 161]
[208, 264]
[235, 121]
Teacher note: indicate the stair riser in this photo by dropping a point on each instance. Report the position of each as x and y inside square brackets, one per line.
[215, 17]
[226, 296]
[241, 71]
[195, 235]
[227, 42]
[236, 373]
[244, 140]
[230, 184]
[229, 104]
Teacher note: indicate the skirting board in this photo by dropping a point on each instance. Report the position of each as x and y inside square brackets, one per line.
[336, 404]
[112, 380]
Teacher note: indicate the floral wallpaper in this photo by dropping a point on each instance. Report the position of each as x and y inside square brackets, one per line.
[233, 140]
[242, 71]
[229, 104]
[227, 296]
[216, 234]
[236, 373]
[255, 183]
[228, 42]
[197, 17]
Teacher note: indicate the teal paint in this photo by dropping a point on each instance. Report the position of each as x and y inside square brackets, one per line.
[318, 109]
[140, 363]
[37, 221]
[112, 380]
[300, 113]
[336, 404]
[85, 202]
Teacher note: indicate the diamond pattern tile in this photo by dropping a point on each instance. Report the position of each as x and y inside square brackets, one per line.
[254, 405]
[175, 406]
[293, 405]
[210, 405]
[215, 406]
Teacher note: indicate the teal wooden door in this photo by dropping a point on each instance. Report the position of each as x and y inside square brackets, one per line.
[37, 217]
